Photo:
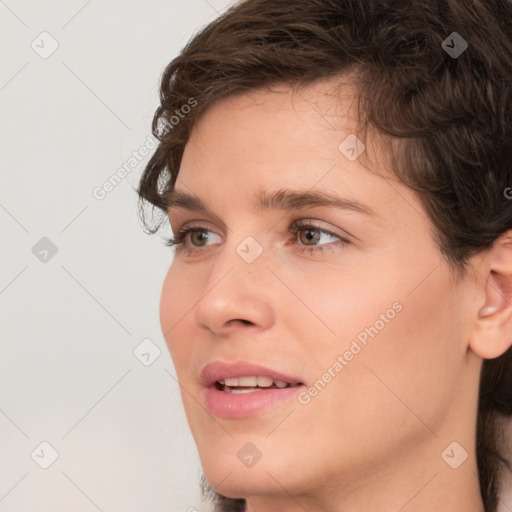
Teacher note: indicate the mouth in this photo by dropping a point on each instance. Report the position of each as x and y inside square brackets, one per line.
[240, 385]
[241, 389]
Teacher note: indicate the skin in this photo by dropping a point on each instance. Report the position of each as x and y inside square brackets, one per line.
[372, 439]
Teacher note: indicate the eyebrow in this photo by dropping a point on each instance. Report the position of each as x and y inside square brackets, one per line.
[278, 200]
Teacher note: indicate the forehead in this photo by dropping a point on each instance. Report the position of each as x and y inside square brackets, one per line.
[286, 139]
[277, 129]
[292, 113]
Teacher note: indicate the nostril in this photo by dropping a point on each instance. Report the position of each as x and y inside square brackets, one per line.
[246, 322]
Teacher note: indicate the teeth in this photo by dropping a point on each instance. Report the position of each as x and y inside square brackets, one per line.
[240, 391]
[249, 382]
[265, 382]
[253, 382]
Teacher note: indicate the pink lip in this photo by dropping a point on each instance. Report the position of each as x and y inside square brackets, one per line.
[218, 370]
[225, 405]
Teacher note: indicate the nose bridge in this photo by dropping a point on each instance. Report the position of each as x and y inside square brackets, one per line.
[237, 287]
[243, 258]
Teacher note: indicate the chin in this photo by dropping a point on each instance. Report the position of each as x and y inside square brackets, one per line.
[228, 473]
[241, 484]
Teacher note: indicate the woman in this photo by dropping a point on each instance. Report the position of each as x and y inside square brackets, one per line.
[338, 178]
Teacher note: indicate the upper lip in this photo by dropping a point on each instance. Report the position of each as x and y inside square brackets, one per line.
[219, 370]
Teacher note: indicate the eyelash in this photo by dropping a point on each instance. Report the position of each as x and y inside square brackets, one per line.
[294, 229]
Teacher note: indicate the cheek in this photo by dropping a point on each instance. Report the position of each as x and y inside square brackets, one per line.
[336, 306]
[401, 341]
[168, 299]
[412, 362]
[177, 300]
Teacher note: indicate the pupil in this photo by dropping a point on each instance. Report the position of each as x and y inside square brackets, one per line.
[312, 235]
[201, 237]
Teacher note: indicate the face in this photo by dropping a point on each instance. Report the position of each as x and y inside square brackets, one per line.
[350, 303]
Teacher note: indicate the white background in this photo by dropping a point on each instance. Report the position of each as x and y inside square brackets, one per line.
[68, 375]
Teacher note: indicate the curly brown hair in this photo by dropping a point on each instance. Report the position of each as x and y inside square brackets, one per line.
[451, 113]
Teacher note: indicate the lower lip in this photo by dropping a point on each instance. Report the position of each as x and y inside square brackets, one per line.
[228, 405]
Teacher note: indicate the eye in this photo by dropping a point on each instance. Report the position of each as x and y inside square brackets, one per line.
[199, 236]
[311, 235]
[310, 238]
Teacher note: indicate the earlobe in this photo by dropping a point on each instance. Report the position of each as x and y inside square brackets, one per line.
[487, 311]
[492, 332]
[497, 296]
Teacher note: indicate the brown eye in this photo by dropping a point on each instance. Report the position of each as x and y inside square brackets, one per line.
[198, 237]
[309, 236]
[314, 239]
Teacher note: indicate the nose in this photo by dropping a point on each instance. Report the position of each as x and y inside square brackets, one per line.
[237, 295]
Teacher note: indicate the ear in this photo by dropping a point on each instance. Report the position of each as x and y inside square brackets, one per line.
[492, 332]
